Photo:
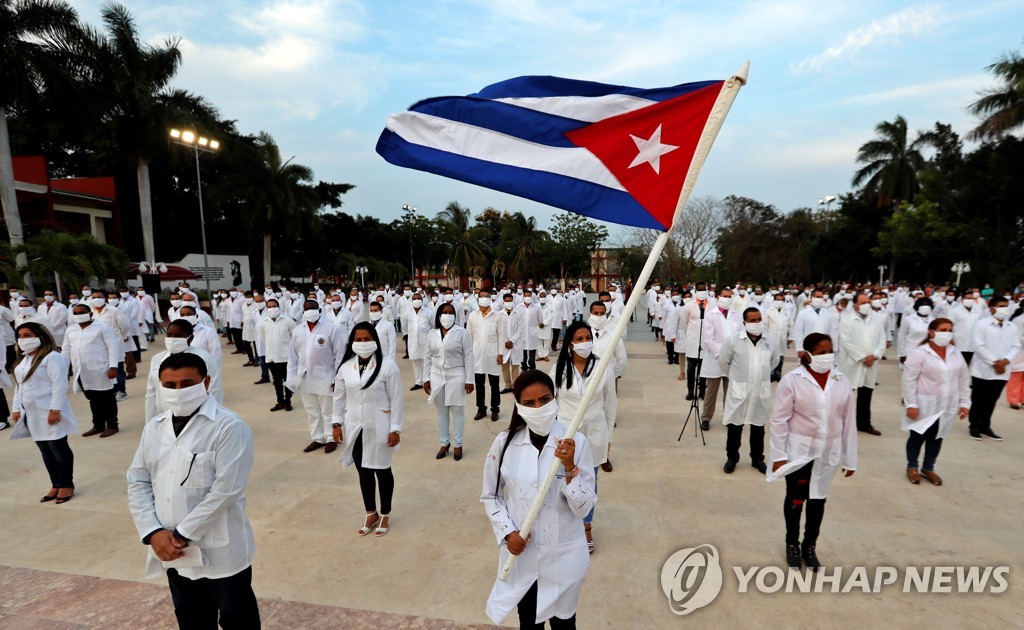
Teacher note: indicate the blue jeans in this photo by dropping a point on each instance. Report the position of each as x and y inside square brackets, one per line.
[589, 518]
[119, 386]
[932, 446]
[456, 414]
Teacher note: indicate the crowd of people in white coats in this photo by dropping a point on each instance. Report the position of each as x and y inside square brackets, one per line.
[337, 350]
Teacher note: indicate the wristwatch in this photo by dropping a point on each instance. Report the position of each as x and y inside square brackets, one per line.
[571, 474]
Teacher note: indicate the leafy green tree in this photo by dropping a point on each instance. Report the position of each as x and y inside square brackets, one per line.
[520, 245]
[70, 260]
[917, 236]
[574, 239]
[1002, 107]
[891, 163]
[466, 246]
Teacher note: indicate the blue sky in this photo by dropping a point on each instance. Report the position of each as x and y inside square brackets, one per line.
[322, 76]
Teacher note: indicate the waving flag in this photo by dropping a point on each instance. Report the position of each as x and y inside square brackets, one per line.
[614, 153]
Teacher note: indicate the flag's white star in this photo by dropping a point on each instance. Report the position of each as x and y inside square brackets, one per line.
[651, 150]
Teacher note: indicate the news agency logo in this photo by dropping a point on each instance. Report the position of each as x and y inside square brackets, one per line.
[691, 578]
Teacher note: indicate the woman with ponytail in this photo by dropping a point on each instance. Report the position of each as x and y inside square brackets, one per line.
[572, 373]
[548, 576]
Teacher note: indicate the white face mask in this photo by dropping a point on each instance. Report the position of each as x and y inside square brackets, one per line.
[864, 309]
[583, 348]
[233, 293]
[725, 302]
[417, 303]
[968, 304]
[376, 315]
[176, 345]
[29, 344]
[248, 300]
[26, 311]
[81, 318]
[74, 301]
[687, 300]
[114, 301]
[508, 306]
[817, 302]
[449, 297]
[597, 322]
[754, 328]
[176, 303]
[822, 363]
[527, 300]
[336, 305]
[876, 304]
[124, 295]
[778, 304]
[99, 302]
[924, 311]
[1001, 312]
[433, 299]
[407, 293]
[260, 306]
[192, 319]
[364, 349]
[312, 316]
[942, 339]
[48, 298]
[539, 419]
[182, 402]
[950, 298]
[447, 320]
[485, 302]
[273, 312]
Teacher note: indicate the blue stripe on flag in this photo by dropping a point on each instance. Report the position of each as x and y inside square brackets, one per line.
[539, 86]
[560, 191]
[518, 122]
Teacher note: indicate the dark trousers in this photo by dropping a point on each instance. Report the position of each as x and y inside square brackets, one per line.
[103, 406]
[370, 478]
[405, 338]
[5, 410]
[11, 355]
[797, 493]
[250, 350]
[121, 377]
[932, 445]
[529, 360]
[556, 331]
[984, 396]
[693, 382]
[777, 371]
[968, 356]
[670, 350]
[236, 338]
[279, 372]
[59, 462]
[864, 407]
[137, 354]
[735, 436]
[493, 380]
[528, 613]
[264, 370]
[198, 603]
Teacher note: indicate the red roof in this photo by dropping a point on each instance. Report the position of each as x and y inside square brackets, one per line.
[102, 187]
[30, 169]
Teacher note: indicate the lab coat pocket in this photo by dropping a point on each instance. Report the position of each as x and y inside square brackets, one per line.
[766, 391]
[199, 471]
[738, 390]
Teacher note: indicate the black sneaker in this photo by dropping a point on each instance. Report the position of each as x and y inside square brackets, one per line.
[989, 433]
[705, 425]
[793, 556]
[689, 396]
[975, 435]
[810, 558]
[760, 466]
[730, 466]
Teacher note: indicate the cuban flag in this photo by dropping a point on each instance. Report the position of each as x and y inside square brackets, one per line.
[614, 153]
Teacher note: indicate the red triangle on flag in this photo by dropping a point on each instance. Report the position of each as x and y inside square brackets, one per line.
[667, 132]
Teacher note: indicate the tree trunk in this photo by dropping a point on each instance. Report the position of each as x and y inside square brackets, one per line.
[9, 198]
[266, 258]
[145, 209]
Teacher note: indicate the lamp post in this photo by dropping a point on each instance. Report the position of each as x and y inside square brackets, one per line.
[412, 266]
[199, 144]
[827, 202]
[959, 269]
[362, 279]
[881, 274]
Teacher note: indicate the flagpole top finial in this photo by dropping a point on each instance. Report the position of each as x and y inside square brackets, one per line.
[741, 74]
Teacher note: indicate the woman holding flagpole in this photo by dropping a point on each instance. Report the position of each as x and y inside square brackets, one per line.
[546, 582]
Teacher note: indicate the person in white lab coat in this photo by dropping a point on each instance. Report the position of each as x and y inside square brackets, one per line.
[914, 327]
[94, 350]
[56, 316]
[385, 329]
[276, 333]
[966, 315]
[691, 325]
[721, 322]
[147, 313]
[515, 335]
[105, 312]
[355, 305]
[448, 369]
[533, 321]
[547, 307]
[862, 339]
[601, 326]
[234, 305]
[204, 337]
[551, 566]
[368, 412]
[419, 320]
[997, 343]
[572, 374]
[746, 358]
[777, 328]
[178, 339]
[249, 330]
[186, 494]
[488, 328]
[314, 355]
[936, 391]
[670, 325]
[814, 317]
[42, 410]
[813, 433]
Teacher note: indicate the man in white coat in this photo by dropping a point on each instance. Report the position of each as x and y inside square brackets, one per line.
[720, 323]
[777, 326]
[862, 338]
[56, 316]
[203, 337]
[558, 315]
[816, 317]
[94, 351]
[177, 339]
[547, 307]
[385, 330]
[355, 305]
[315, 353]
[488, 329]
[186, 493]
[692, 320]
[275, 331]
[515, 334]
[147, 313]
[533, 321]
[235, 302]
[419, 321]
[102, 311]
[746, 358]
[966, 315]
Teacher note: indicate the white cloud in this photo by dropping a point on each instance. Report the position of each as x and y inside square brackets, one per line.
[907, 22]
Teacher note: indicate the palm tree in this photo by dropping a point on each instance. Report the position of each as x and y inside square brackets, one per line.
[27, 31]
[1003, 106]
[132, 78]
[520, 244]
[465, 242]
[276, 193]
[72, 259]
[891, 164]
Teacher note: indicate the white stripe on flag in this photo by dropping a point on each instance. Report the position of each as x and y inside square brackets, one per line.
[483, 144]
[582, 108]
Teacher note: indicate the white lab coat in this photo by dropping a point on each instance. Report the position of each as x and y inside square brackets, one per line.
[355, 306]
[233, 311]
[548, 317]
[342, 318]
[417, 325]
[195, 483]
[34, 398]
[808, 321]
[155, 404]
[448, 365]
[749, 368]
[314, 356]
[374, 412]
[56, 316]
[114, 318]
[717, 328]
[516, 333]
[993, 342]
[690, 319]
[813, 424]
[277, 338]
[964, 321]
[937, 387]
[488, 333]
[670, 324]
[248, 325]
[602, 339]
[599, 418]
[556, 555]
[206, 338]
[533, 317]
[387, 336]
[92, 351]
[777, 329]
[913, 330]
[860, 337]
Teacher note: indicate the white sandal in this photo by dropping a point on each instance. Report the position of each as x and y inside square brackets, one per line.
[366, 529]
[382, 531]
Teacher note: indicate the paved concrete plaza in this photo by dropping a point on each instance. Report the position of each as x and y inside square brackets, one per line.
[81, 564]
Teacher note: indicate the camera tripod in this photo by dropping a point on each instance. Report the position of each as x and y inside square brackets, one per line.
[694, 411]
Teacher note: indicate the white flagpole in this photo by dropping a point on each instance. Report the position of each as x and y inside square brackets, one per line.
[718, 112]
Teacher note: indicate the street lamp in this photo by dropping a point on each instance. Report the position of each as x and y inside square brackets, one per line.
[412, 266]
[827, 202]
[362, 278]
[959, 269]
[205, 145]
[881, 274]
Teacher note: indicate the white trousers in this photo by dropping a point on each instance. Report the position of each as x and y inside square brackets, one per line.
[319, 410]
[417, 370]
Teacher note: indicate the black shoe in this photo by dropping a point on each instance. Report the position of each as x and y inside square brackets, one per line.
[415, 387]
[689, 396]
[793, 556]
[730, 466]
[989, 433]
[507, 390]
[810, 558]
[705, 425]
[701, 396]
[760, 466]
[975, 435]
[870, 431]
